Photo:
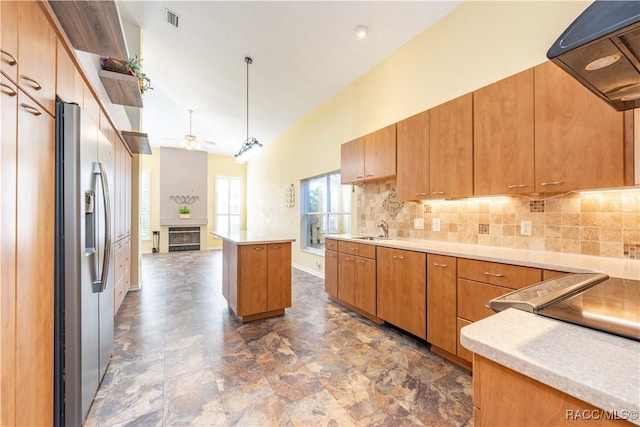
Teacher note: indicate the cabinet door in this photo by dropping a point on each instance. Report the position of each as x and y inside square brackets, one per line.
[473, 298]
[441, 302]
[346, 278]
[503, 136]
[579, 138]
[462, 352]
[365, 284]
[34, 264]
[352, 161]
[8, 165]
[380, 154]
[9, 38]
[413, 157]
[252, 279]
[451, 148]
[331, 273]
[279, 276]
[69, 84]
[37, 54]
[402, 289]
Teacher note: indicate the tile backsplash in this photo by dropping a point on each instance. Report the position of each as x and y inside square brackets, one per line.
[605, 223]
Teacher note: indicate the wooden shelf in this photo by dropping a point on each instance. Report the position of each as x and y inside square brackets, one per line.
[123, 89]
[137, 142]
[92, 26]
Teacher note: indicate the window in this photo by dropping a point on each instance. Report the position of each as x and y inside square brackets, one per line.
[327, 209]
[145, 204]
[228, 203]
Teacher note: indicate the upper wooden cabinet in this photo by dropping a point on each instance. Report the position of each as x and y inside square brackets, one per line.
[369, 158]
[503, 123]
[9, 39]
[69, 83]
[579, 138]
[352, 161]
[413, 157]
[451, 148]
[36, 54]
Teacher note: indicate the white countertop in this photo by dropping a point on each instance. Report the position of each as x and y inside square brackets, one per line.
[598, 368]
[574, 263]
[251, 237]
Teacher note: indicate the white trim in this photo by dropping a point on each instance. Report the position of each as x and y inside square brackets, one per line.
[308, 270]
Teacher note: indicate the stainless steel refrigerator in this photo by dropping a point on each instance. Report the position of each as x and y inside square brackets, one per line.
[84, 277]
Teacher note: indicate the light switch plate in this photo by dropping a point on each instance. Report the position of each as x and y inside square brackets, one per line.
[418, 223]
[525, 228]
[435, 224]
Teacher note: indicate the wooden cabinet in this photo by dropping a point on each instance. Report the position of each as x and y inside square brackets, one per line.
[36, 54]
[402, 289]
[69, 84]
[9, 39]
[380, 154]
[122, 185]
[352, 161]
[481, 281]
[441, 302]
[413, 157]
[258, 279]
[122, 271]
[579, 138]
[529, 403]
[331, 272]
[451, 148]
[369, 158]
[503, 145]
[357, 282]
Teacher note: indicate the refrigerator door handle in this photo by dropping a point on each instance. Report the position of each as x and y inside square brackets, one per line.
[100, 285]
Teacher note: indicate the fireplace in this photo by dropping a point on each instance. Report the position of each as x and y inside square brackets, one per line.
[184, 239]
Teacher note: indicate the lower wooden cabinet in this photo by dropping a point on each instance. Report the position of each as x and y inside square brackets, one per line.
[357, 282]
[402, 289]
[258, 279]
[441, 302]
[331, 272]
[121, 271]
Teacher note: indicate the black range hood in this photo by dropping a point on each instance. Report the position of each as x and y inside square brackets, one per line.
[601, 49]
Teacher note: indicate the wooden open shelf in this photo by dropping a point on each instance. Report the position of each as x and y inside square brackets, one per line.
[137, 142]
[123, 89]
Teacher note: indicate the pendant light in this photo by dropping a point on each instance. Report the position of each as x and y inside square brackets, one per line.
[250, 143]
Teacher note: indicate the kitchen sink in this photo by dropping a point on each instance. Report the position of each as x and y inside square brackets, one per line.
[370, 238]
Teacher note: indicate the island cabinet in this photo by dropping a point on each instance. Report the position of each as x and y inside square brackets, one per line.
[441, 302]
[256, 277]
[451, 148]
[579, 138]
[480, 281]
[357, 276]
[503, 130]
[369, 158]
[402, 289]
[530, 402]
[412, 182]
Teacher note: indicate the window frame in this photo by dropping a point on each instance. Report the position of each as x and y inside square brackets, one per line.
[228, 215]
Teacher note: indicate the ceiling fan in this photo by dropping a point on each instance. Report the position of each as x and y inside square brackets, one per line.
[190, 141]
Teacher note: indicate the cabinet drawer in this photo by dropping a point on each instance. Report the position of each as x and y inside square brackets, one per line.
[118, 247]
[360, 249]
[118, 266]
[473, 298]
[510, 276]
[331, 244]
[118, 296]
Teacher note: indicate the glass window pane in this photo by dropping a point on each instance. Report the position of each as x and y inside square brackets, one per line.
[317, 195]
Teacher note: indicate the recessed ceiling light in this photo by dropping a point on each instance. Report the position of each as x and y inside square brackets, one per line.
[361, 31]
[605, 61]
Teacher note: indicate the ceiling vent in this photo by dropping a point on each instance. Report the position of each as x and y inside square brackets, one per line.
[172, 18]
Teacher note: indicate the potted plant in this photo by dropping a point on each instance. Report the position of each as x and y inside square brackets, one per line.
[184, 212]
[131, 66]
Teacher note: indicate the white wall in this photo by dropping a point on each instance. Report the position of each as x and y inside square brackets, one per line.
[478, 43]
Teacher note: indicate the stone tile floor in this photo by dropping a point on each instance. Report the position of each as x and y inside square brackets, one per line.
[182, 358]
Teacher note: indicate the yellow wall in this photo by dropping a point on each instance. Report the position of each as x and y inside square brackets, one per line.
[478, 43]
[216, 165]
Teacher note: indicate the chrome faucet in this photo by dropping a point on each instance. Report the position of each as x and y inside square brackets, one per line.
[385, 228]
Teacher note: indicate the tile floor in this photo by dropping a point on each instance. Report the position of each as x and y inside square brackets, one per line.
[181, 358]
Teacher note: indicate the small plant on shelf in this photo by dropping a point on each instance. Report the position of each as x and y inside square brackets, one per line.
[131, 66]
[184, 211]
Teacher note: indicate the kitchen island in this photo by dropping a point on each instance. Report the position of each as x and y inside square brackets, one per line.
[256, 273]
[554, 373]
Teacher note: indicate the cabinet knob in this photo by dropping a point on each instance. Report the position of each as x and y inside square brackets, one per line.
[437, 193]
[359, 176]
[354, 249]
[398, 257]
[421, 194]
[437, 264]
[370, 174]
[12, 59]
[544, 184]
[348, 259]
[486, 273]
[33, 110]
[258, 249]
[34, 83]
[511, 187]
[360, 262]
[9, 90]
[275, 247]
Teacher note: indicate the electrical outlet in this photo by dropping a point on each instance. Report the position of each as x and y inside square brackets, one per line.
[418, 223]
[319, 265]
[525, 228]
[435, 224]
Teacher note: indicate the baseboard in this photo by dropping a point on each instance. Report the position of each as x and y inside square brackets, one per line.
[308, 270]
